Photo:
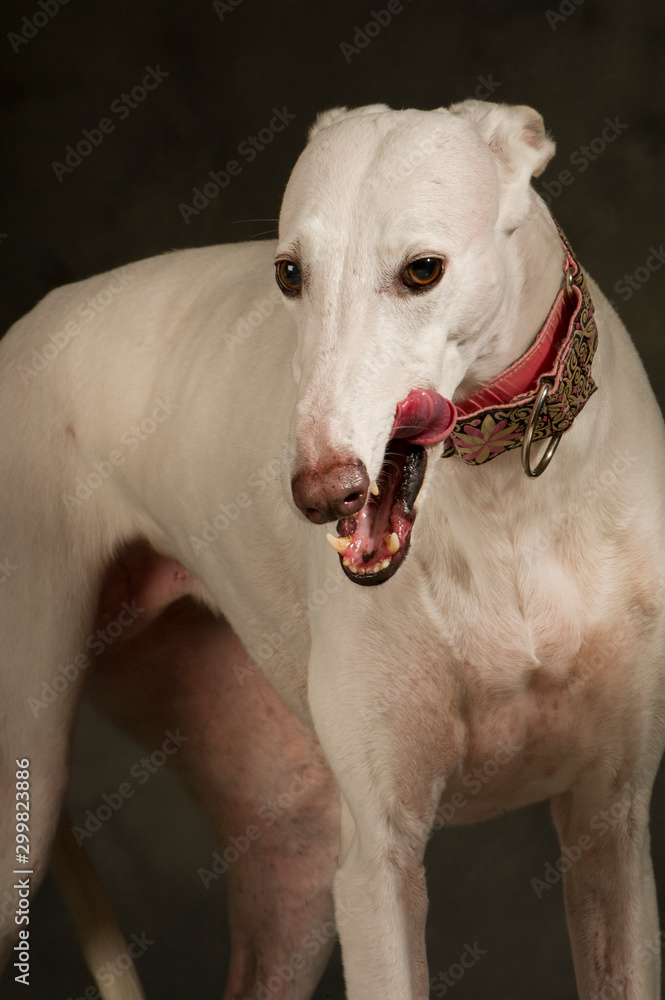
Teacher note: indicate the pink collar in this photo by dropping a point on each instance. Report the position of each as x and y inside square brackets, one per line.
[542, 392]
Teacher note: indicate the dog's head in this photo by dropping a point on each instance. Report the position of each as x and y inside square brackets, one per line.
[398, 256]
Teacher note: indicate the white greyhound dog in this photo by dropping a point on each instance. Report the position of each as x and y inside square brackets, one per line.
[171, 431]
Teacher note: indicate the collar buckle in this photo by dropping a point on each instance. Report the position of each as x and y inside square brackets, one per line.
[540, 394]
[548, 454]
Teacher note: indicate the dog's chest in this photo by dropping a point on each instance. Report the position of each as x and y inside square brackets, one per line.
[538, 664]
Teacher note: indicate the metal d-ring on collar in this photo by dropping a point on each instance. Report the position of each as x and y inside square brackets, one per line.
[538, 404]
[528, 437]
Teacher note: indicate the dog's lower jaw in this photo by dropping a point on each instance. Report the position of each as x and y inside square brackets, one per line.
[379, 536]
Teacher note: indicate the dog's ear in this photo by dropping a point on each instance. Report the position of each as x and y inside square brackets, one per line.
[516, 135]
[327, 118]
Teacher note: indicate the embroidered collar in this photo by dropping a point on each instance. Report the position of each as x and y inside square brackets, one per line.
[542, 392]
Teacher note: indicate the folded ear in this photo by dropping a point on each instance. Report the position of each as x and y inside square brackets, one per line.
[334, 115]
[516, 135]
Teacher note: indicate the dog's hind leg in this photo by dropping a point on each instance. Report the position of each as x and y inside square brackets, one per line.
[280, 888]
[609, 887]
[255, 770]
[276, 815]
[45, 607]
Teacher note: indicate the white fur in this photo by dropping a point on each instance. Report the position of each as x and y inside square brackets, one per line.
[511, 588]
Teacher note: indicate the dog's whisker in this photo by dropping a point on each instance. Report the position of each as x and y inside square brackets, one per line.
[265, 232]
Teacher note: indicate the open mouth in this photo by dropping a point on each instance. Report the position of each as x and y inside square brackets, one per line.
[373, 544]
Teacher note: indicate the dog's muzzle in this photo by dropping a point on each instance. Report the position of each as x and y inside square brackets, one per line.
[375, 519]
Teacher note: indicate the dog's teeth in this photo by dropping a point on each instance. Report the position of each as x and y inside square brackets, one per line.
[352, 568]
[361, 569]
[346, 562]
[392, 543]
[385, 564]
[373, 488]
[339, 544]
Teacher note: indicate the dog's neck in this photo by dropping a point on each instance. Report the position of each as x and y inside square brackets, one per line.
[539, 258]
[533, 261]
[548, 380]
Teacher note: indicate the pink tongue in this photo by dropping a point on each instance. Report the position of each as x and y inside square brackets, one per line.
[424, 417]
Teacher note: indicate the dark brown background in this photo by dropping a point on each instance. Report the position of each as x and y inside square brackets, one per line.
[226, 74]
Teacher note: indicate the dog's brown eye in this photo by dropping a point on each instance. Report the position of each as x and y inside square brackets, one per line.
[288, 277]
[422, 272]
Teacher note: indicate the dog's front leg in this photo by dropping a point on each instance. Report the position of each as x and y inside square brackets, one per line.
[609, 888]
[389, 741]
[381, 905]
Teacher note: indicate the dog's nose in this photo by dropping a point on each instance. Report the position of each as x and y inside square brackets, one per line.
[327, 494]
